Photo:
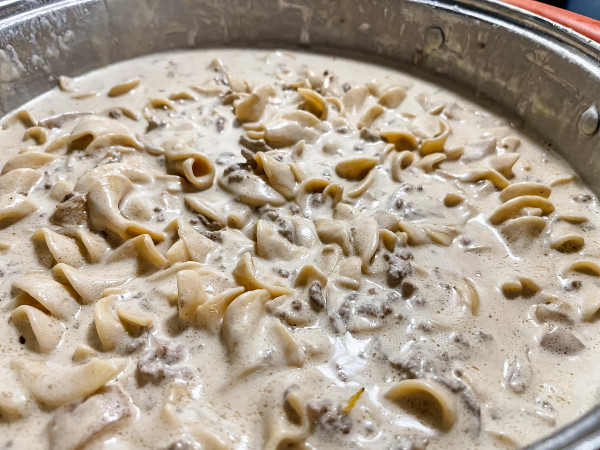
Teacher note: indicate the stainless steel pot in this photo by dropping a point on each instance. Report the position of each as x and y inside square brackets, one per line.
[542, 74]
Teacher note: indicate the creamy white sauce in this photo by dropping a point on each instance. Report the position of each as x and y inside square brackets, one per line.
[492, 308]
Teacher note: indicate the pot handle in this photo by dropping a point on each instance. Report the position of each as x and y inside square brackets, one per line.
[583, 25]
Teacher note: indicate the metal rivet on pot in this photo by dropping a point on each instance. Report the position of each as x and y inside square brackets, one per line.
[434, 38]
[589, 121]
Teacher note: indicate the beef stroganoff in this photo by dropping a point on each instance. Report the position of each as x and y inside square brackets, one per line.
[266, 249]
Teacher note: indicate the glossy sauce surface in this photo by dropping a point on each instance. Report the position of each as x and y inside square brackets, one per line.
[260, 249]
